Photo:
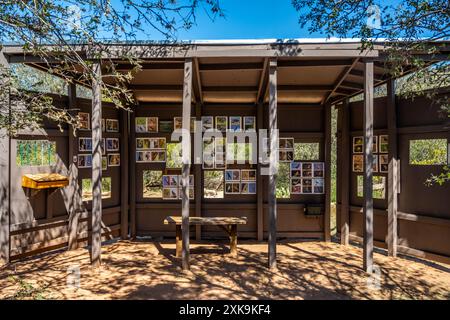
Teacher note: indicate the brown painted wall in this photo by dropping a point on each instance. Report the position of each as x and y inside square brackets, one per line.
[424, 211]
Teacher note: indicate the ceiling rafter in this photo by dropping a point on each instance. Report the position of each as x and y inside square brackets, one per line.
[341, 79]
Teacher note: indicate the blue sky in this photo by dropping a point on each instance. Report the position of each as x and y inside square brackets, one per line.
[249, 19]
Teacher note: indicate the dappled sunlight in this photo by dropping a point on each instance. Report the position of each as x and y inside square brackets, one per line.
[149, 270]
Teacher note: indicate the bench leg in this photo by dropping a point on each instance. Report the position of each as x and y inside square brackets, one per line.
[233, 240]
[178, 241]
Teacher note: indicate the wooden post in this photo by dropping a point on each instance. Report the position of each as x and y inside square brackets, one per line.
[5, 175]
[368, 167]
[132, 173]
[327, 144]
[233, 240]
[124, 174]
[178, 242]
[96, 233]
[345, 173]
[393, 169]
[186, 154]
[273, 134]
[198, 180]
[74, 212]
[259, 180]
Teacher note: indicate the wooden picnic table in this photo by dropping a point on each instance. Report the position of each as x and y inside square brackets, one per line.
[229, 224]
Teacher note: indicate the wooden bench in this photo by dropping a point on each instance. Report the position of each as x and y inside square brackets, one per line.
[229, 224]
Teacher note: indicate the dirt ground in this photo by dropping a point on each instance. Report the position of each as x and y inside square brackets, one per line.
[149, 270]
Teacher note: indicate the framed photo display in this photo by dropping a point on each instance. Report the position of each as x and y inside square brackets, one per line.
[358, 163]
[249, 123]
[207, 123]
[85, 161]
[84, 121]
[146, 124]
[384, 163]
[112, 144]
[114, 159]
[235, 123]
[112, 125]
[222, 123]
[384, 144]
[286, 149]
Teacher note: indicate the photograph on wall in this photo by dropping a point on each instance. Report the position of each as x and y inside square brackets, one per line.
[222, 123]
[307, 169]
[158, 156]
[296, 186]
[318, 169]
[84, 160]
[296, 169]
[152, 124]
[220, 145]
[141, 124]
[358, 162]
[358, 144]
[157, 143]
[104, 163]
[286, 155]
[232, 188]
[318, 186]
[248, 175]
[112, 144]
[84, 121]
[307, 185]
[232, 175]
[85, 144]
[286, 143]
[142, 143]
[220, 160]
[170, 181]
[249, 123]
[384, 163]
[384, 144]
[191, 180]
[191, 193]
[207, 123]
[114, 159]
[235, 123]
[248, 187]
[112, 125]
[170, 193]
[177, 123]
[208, 161]
[166, 126]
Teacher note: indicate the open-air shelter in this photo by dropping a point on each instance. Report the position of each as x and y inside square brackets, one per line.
[289, 86]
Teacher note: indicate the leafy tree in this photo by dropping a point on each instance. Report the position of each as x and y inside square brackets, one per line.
[406, 27]
[57, 30]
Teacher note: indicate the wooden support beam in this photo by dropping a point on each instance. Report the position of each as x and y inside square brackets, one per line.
[155, 87]
[152, 66]
[327, 159]
[259, 180]
[74, 212]
[96, 167]
[393, 169]
[198, 178]
[345, 172]
[368, 168]
[124, 116]
[197, 82]
[262, 84]
[341, 79]
[360, 74]
[186, 155]
[132, 172]
[352, 85]
[5, 176]
[273, 134]
[314, 63]
[231, 66]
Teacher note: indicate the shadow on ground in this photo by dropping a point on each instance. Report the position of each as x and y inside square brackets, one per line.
[306, 270]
